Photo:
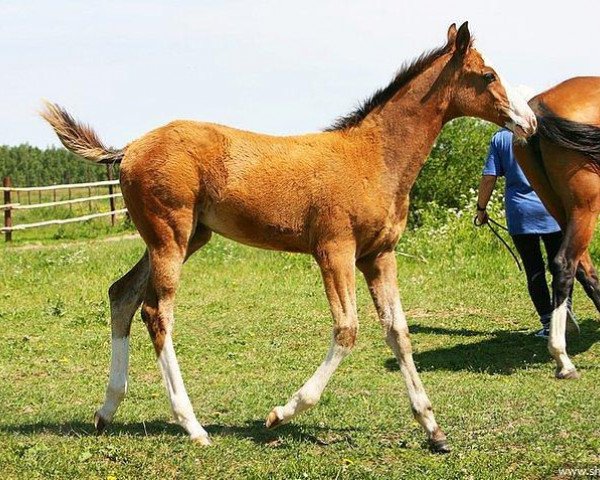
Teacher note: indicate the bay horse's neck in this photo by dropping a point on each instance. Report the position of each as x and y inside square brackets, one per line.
[411, 121]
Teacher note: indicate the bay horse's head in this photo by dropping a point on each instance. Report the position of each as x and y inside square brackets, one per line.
[480, 91]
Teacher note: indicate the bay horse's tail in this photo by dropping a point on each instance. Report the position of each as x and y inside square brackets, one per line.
[78, 137]
[581, 137]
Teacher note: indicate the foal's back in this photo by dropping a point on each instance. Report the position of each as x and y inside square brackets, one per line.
[272, 192]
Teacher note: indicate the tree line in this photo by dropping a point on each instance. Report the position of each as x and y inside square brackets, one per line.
[30, 166]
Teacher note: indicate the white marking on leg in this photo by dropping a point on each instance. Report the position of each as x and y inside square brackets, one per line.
[557, 344]
[396, 328]
[311, 391]
[180, 402]
[117, 381]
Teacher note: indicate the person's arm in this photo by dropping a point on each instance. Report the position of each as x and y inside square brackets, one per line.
[486, 187]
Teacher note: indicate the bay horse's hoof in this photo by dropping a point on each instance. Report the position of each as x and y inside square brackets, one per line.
[439, 446]
[99, 423]
[568, 375]
[274, 419]
[203, 440]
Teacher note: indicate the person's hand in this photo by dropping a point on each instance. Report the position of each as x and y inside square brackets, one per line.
[482, 217]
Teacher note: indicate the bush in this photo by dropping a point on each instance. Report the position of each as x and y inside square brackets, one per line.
[451, 174]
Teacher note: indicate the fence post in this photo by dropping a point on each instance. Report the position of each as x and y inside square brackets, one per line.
[69, 191]
[111, 200]
[7, 213]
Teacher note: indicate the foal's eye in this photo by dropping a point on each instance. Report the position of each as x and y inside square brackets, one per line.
[489, 77]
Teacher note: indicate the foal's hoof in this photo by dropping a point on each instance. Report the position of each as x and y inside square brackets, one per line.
[439, 446]
[203, 440]
[274, 419]
[99, 423]
[567, 375]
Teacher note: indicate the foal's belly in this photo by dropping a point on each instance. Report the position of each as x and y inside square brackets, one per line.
[255, 230]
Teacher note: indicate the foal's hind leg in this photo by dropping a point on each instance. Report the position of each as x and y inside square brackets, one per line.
[166, 259]
[337, 268]
[380, 274]
[125, 298]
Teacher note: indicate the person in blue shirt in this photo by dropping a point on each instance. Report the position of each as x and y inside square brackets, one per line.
[528, 222]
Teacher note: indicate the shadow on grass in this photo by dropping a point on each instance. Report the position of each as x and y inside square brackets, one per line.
[251, 430]
[505, 352]
[257, 432]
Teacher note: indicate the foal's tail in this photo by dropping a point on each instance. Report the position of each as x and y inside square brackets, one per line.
[78, 137]
[581, 137]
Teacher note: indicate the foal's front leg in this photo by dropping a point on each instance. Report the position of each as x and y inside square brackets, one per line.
[380, 273]
[337, 268]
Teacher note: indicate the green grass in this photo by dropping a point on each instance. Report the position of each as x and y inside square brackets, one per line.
[251, 326]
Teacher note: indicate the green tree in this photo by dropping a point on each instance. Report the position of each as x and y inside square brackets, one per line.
[32, 166]
[454, 166]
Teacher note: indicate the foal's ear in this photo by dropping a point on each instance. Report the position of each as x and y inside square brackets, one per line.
[463, 39]
[451, 34]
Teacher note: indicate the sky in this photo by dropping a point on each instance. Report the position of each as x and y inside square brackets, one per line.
[279, 67]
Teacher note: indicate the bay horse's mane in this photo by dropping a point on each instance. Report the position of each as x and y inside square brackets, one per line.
[406, 73]
[582, 137]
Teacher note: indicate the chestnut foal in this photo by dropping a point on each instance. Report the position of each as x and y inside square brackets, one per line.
[562, 163]
[340, 195]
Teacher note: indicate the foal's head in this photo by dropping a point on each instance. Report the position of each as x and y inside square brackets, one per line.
[479, 91]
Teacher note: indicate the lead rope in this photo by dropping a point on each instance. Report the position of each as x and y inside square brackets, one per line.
[499, 237]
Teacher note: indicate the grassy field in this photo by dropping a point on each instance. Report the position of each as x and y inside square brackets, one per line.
[251, 327]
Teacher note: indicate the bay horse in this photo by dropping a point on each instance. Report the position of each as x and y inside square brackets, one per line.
[562, 163]
[340, 195]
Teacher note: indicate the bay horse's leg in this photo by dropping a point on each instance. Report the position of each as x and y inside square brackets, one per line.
[588, 278]
[577, 237]
[380, 274]
[337, 269]
[575, 180]
[125, 298]
[576, 240]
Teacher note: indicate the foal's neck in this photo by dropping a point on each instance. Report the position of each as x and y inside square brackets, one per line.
[411, 121]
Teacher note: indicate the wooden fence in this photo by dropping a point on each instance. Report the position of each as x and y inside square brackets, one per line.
[11, 194]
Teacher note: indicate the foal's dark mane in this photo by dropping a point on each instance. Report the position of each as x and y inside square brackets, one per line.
[406, 73]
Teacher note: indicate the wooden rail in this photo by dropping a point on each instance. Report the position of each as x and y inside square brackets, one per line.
[102, 183]
[18, 206]
[45, 223]
[9, 205]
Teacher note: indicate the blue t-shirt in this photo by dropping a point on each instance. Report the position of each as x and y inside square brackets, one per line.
[525, 213]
